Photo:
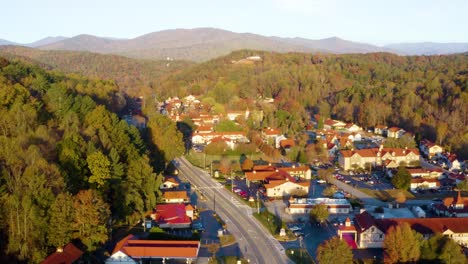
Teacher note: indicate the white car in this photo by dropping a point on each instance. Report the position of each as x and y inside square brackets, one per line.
[295, 228]
[321, 181]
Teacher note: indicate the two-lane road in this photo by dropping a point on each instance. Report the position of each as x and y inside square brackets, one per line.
[255, 243]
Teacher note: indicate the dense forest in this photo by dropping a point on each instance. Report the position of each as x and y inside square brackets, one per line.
[70, 169]
[426, 95]
[134, 77]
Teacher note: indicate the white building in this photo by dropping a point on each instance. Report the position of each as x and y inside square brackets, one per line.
[305, 205]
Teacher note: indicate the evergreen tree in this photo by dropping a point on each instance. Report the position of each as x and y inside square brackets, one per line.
[402, 179]
[60, 228]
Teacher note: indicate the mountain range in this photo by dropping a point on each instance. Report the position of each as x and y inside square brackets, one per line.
[201, 44]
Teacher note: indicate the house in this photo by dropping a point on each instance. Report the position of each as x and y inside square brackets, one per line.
[67, 255]
[169, 183]
[395, 132]
[424, 183]
[305, 205]
[371, 231]
[380, 130]
[352, 127]
[206, 138]
[131, 250]
[334, 124]
[175, 197]
[233, 115]
[171, 216]
[270, 134]
[288, 186]
[363, 158]
[287, 144]
[453, 206]
[429, 148]
[229, 142]
[303, 172]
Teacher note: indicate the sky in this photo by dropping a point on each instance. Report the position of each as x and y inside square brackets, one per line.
[372, 21]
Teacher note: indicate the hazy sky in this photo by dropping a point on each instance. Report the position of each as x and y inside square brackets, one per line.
[373, 21]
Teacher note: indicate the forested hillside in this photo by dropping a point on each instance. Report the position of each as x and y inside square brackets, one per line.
[135, 77]
[426, 95]
[69, 167]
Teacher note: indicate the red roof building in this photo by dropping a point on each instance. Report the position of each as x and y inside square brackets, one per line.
[171, 216]
[66, 255]
[132, 250]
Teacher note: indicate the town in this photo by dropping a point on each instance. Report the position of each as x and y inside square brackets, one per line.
[355, 189]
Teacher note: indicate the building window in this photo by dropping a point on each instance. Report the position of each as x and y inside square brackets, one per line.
[380, 236]
[372, 229]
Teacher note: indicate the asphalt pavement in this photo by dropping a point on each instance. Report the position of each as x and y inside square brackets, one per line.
[255, 243]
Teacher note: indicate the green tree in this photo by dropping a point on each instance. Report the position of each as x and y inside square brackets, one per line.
[463, 185]
[334, 251]
[247, 165]
[319, 213]
[91, 218]
[329, 191]
[441, 249]
[60, 228]
[99, 165]
[227, 126]
[402, 244]
[402, 179]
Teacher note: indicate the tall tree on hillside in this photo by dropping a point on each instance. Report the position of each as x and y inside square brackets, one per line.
[334, 251]
[99, 165]
[402, 244]
[60, 228]
[167, 140]
[91, 218]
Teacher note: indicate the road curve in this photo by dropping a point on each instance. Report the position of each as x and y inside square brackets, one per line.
[255, 242]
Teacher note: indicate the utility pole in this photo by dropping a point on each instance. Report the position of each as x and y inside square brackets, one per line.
[258, 203]
[214, 201]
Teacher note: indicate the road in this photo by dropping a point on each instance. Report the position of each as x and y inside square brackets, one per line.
[367, 199]
[255, 243]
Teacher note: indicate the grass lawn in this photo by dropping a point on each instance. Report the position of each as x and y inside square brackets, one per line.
[299, 256]
[226, 240]
[386, 195]
[270, 221]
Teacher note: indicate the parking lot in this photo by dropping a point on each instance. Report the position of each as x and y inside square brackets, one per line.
[375, 180]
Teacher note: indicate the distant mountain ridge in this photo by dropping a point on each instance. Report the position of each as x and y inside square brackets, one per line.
[201, 44]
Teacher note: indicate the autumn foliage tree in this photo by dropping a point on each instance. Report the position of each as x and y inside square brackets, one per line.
[334, 251]
[402, 244]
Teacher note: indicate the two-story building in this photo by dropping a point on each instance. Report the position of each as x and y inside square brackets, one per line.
[430, 149]
[305, 205]
[371, 231]
[365, 158]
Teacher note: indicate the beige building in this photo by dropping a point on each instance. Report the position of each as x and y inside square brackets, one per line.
[365, 158]
[371, 231]
[281, 188]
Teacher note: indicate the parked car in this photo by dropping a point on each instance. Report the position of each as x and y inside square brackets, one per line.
[321, 181]
[295, 228]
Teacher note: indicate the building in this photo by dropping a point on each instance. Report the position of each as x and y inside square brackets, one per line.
[453, 206]
[424, 183]
[175, 197]
[67, 255]
[365, 158]
[395, 132]
[371, 231]
[380, 130]
[169, 183]
[348, 233]
[429, 148]
[426, 173]
[171, 216]
[206, 138]
[131, 250]
[286, 187]
[305, 205]
[333, 124]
